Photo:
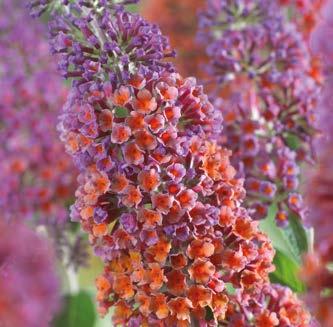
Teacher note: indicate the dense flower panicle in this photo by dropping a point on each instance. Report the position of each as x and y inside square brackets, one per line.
[29, 287]
[164, 213]
[178, 20]
[316, 270]
[261, 74]
[38, 177]
[157, 194]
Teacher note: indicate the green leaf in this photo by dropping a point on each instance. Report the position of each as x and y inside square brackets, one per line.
[77, 310]
[287, 272]
[297, 236]
[293, 141]
[209, 316]
[276, 234]
[230, 289]
[293, 240]
[121, 112]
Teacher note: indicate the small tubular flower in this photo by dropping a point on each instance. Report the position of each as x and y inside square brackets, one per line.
[261, 81]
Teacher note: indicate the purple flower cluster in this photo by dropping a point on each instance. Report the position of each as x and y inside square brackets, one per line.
[38, 178]
[93, 48]
[29, 287]
[261, 81]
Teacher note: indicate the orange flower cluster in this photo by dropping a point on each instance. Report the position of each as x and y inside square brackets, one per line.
[178, 20]
[157, 195]
[163, 208]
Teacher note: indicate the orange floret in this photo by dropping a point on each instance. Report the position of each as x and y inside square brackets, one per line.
[159, 306]
[122, 285]
[119, 183]
[105, 120]
[160, 250]
[100, 230]
[200, 249]
[145, 140]
[200, 296]
[121, 96]
[120, 133]
[150, 218]
[178, 261]
[149, 180]
[176, 282]
[180, 308]
[132, 154]
[201, 271]
[132, 196]
[144, 102]
[155, 276]
[144, 303]
[136, 121]
[121, 313]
